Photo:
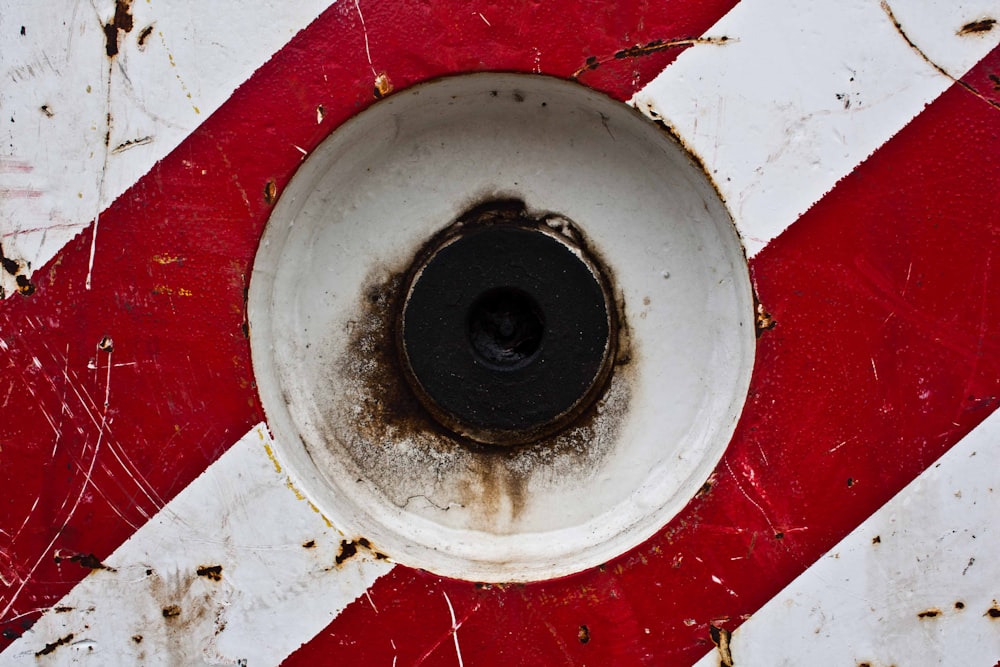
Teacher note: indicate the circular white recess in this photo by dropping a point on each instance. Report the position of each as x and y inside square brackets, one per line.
[322, 318]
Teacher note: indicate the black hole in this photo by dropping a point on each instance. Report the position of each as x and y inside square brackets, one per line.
[505, 328]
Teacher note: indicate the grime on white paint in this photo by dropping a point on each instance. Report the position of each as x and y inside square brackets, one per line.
[240, 564]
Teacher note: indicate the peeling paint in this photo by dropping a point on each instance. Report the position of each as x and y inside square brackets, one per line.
[722, 638]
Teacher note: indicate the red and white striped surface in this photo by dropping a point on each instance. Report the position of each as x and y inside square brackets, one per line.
[856, 145]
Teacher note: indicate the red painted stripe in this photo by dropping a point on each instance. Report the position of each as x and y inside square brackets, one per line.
[174, 255]
[886, 352]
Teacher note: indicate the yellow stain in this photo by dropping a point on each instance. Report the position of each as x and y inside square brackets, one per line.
[184, 292]
[298, 494]
[165, 259]
[270, 455]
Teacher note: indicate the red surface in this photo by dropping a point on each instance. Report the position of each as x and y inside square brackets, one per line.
[89, 455]
[886, 352]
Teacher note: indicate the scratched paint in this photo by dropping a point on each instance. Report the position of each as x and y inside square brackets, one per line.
[80, 126]
[903, 308]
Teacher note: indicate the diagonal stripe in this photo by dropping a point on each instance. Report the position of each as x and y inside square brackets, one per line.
[886, 352]
[239, 566]
[913, 585]
[120, 395]
[802, 92]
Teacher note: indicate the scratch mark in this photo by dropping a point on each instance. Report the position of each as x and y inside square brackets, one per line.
[235, 178]
[874, 370]
[484, 19]
[906, 38]
[654, 46]
[364, 29]
[752, 501]
[454, 629]
[455, 625]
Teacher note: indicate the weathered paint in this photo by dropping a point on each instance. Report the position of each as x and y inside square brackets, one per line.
[239, 565]
[884, 353]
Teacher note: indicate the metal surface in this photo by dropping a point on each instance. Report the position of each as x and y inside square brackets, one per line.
[145, 517]
[322, 309]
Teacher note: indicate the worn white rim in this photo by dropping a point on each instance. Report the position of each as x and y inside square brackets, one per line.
[378, 188]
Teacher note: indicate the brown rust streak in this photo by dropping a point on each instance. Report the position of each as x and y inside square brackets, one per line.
[49, 648]
[977, 27]
[649, 48]
[213, 572]
[89, 561]
[122, 21]
[349, 548]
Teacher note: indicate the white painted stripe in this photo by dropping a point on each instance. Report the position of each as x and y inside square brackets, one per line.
[932, 550]
[279, 583]
[58, 88]
[803, 91]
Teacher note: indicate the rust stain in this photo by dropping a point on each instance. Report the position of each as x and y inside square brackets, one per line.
[994, 611]
[270, 191]
[959, 605]
[45, 109]
[106, 344]
[933, 612]
[349, 548]
[977, 27]
[143, 36]
[121, 21]
[383, 86]
[49, 648]
[649, 48]
[171, 611]
[213, 572]
[16, 269]
[722, 638]
[311, 544]
[137, 639]
[89, 561]
[583, 634]
[764, 321]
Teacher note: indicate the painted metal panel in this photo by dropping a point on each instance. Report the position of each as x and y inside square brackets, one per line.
[145, 517]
